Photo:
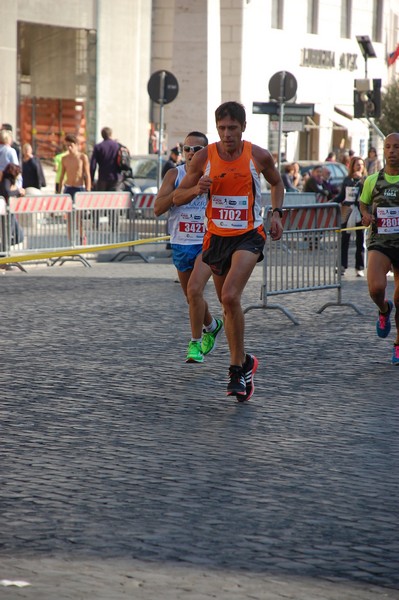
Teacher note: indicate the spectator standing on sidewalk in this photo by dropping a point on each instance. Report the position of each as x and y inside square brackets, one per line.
[7, 154]
[228, 173]
[173, 160]
[372, 162]
[297, 177]
[75, 171]
[316, 184]
[8, 189]
[379, 205]
[331, 157]
[32, 170]
[288, 177]
[74, 168]
[13, 143]
[186, 227]
[104, 157]
[57, 168]
[349, 197]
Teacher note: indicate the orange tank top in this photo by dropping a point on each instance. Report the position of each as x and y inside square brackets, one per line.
[234, 205]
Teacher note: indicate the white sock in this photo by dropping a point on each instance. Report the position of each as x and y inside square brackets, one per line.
[211, 327]
[196, 339]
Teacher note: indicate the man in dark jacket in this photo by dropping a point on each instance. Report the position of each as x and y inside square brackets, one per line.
[173, 160]
[32, 171]
[105, 157]
[316, 184]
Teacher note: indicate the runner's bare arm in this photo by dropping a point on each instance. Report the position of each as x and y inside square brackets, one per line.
[62, 176]
[271, 174]
[194, 183]
[367, 216]
[164, 199]
[86, 173]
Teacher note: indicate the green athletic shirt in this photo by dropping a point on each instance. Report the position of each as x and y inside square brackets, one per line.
[382, 192]
[369, 185]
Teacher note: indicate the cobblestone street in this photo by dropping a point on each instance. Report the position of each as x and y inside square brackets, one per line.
[127, 473]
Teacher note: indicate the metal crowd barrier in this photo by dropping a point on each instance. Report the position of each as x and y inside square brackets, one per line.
[3, 227]
[38, 223]
[145, 224]
[102, 218]
[47, 223]
[306, 258]
[293, 198]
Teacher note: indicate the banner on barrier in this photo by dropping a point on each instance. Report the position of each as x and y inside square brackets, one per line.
[40, 204]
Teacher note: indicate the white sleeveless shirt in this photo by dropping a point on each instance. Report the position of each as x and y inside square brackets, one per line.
[186, 223]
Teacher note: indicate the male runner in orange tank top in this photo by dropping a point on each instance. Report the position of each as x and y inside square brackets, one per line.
[229, 172]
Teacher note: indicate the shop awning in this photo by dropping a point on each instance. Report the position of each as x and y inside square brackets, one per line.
[342, 119]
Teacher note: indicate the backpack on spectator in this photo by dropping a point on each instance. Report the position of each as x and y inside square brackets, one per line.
[123, 159]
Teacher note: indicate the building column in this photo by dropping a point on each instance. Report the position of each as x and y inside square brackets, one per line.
[187, 34]
[123, 47]
[8, 60]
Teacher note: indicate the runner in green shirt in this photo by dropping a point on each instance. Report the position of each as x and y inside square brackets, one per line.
[379, 205]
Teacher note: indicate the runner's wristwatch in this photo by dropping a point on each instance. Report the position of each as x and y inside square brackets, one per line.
[280, 212]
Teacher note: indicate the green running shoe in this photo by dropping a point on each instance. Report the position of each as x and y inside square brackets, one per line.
[194, 353]
[208, 343]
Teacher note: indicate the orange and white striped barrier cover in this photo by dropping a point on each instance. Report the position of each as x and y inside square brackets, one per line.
[144, 200]
[34, 204]
[311, 217]
[104, 200]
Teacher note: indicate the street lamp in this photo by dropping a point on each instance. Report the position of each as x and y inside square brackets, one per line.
[367, 92]
[367, 97]
[367, 50]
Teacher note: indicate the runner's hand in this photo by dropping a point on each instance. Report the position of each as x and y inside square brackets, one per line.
[367, 219]
[204, 184]
[276, 227]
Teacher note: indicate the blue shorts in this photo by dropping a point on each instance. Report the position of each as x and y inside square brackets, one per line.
[184, 256]
[72, 190]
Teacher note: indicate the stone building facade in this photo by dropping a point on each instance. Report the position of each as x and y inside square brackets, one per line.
[93, 62]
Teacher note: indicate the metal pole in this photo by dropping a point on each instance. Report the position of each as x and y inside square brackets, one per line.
[159, 171]
[281, 118]
[376, 129]
[370, 141]
[161, 125]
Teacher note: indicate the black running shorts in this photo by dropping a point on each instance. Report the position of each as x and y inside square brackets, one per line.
[218, 250]
[391, 252]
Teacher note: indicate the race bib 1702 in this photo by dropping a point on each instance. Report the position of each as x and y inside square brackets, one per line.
[230, 212]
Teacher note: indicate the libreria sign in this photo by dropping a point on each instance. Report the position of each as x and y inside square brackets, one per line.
[327, 59]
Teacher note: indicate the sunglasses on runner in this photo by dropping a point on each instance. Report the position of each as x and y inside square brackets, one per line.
[192, 148]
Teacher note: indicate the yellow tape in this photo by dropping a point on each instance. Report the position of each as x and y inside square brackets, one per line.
[76, 251]
[93, 249]
[353, 228]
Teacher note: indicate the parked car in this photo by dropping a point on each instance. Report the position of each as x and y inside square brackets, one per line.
[338, 170]
[144, 173]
